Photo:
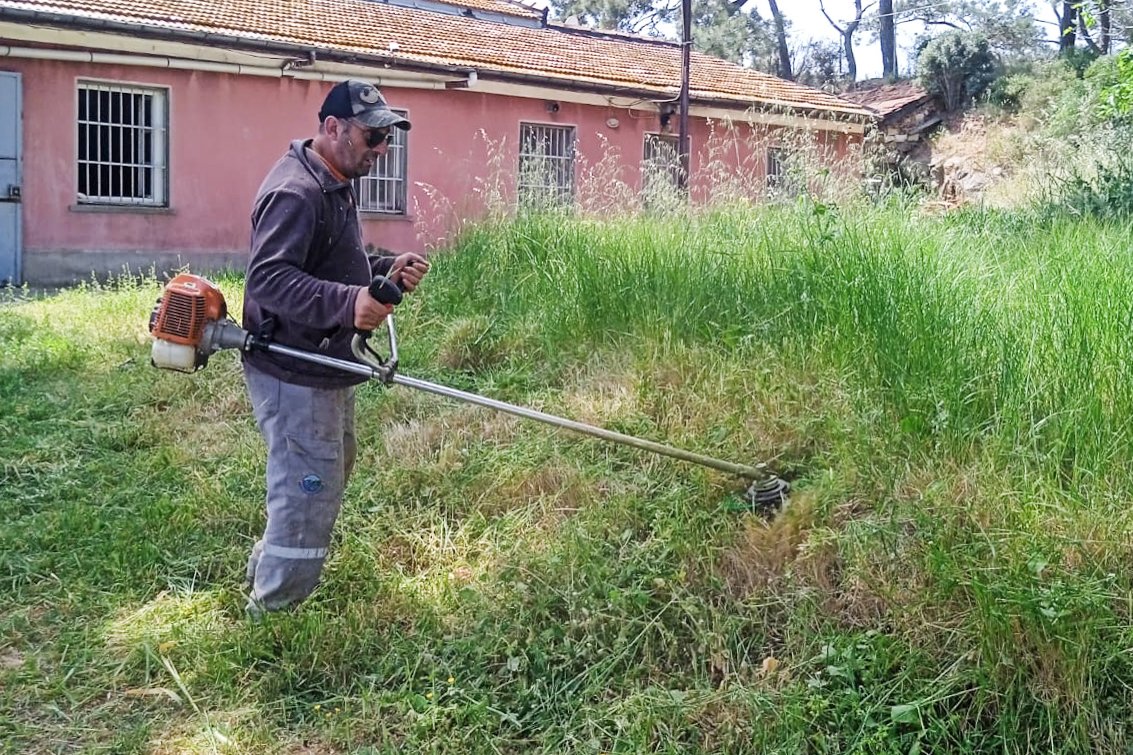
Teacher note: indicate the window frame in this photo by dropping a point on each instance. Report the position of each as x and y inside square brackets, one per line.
[778, 170]
[371, 185]
[537, 193]
[142, 169]
[652, 164]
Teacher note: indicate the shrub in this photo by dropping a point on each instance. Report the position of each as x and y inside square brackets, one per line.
[957, 66]
[1103, 187]
[1112, 78]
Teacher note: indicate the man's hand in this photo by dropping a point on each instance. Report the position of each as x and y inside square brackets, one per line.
[369, 313]
[407, 270]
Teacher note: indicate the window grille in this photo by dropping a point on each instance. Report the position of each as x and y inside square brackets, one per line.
[660, 167]
[123, 145]
[546, 164]
[384, 189]
[780, 174]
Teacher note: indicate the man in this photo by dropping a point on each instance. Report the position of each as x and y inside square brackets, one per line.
[306, 288]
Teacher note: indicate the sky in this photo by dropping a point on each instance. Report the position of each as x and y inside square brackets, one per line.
[807, 22]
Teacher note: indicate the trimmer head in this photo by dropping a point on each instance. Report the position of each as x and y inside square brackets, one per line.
[768, 495]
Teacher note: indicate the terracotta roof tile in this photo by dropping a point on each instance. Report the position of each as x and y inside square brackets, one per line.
[369, 27]
[887, 98]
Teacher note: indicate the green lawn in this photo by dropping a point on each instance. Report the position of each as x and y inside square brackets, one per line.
[950, 397]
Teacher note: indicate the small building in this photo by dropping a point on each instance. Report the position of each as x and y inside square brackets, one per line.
[906, 112]
[907, 115]
[134, 133]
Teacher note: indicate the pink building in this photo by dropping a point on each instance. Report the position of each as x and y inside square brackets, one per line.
[134, 133]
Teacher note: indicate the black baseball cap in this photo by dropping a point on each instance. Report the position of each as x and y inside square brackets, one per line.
[357, 99]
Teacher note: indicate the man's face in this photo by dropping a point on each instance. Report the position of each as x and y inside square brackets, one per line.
[359, 147]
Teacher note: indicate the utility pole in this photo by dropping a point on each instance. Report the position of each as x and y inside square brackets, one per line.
[682, 135]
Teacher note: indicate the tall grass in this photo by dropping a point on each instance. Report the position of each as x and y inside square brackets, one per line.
[971, 327]
[948, 395]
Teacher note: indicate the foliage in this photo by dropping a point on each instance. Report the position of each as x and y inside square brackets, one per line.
[1069, 138]
[724, 29]
[958, 66]
[1068, 102]
[1103, 186]
[1105, 193]
[1048, 93]
[820, 64]
[1079, 59]
[1113, 78]
[1008, 25]
[626, 15]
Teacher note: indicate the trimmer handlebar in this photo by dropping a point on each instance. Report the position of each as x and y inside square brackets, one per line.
[383, 290]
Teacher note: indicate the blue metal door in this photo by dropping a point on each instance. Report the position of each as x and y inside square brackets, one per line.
[11, 109]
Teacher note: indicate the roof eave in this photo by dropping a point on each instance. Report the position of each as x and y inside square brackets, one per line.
[664, 94]
[861, 115]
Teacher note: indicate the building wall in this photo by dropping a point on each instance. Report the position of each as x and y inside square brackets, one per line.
[226, 131]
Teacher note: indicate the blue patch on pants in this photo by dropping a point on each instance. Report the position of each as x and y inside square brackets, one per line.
[311, 484]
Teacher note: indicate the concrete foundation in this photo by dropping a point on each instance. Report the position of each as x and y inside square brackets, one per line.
[54, 269]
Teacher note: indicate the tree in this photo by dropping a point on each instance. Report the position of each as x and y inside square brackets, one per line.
[1121, 21]
[957, 66]
[847, 30]
[819, 64]
[1009, 25]
[1067, 26]
[1096, 17]
[887, 35]
[724, 28]
[634, 16]
[783, 69]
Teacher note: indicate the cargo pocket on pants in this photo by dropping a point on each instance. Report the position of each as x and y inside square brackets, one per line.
[312, 499]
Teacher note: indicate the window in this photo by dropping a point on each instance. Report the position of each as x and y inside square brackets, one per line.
[384, 190]
[660, 167]
[123, 145]
[546, 164]
[782, 173]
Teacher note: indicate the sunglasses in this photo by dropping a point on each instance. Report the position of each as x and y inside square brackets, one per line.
[374, 137]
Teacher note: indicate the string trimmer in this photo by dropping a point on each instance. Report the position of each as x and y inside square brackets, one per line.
[190, 323]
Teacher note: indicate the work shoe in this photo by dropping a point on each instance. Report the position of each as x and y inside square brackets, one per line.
[254, 610]
[253, 562]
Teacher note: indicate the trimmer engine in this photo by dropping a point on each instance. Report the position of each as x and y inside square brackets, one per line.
[189, 322]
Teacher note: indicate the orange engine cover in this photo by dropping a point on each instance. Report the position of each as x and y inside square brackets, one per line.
[187, 304]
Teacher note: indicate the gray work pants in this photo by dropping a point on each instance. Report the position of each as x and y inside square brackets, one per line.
[310, 453]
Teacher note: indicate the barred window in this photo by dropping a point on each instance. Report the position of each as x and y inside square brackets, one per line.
[660, 167]
[782, 175]
[546, 164]
[123, 145]
[384, 189]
